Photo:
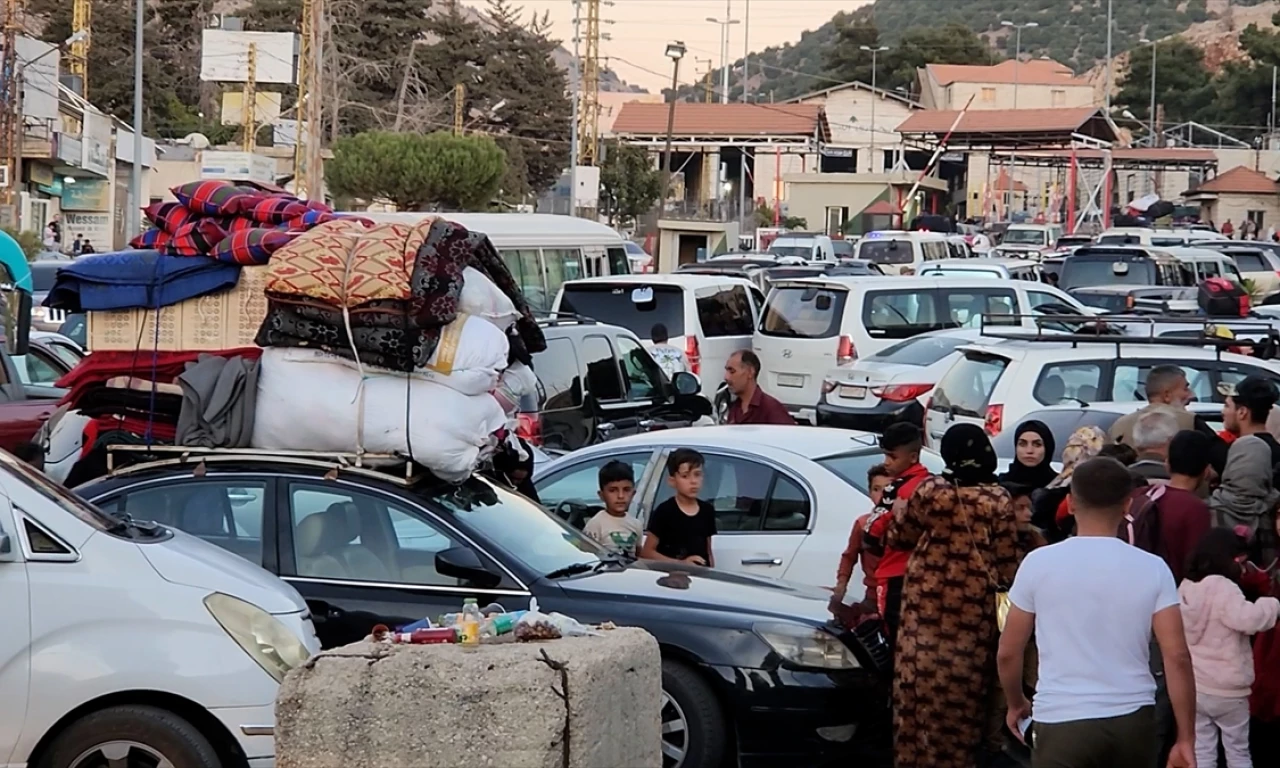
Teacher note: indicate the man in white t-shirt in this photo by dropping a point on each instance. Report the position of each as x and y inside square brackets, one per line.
[1094, 602]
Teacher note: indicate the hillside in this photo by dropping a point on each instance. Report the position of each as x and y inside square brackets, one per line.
[1071, 31]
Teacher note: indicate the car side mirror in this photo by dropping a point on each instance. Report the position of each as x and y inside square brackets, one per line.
[463, 563]
[685, 383]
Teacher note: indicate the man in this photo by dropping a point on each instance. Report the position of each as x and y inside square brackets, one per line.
[1168, 391]
[1183, 516]
[670, 358]
[1152, 433]
[751, 405]
[1094, 603]
[1247, 409]
[1246, 495]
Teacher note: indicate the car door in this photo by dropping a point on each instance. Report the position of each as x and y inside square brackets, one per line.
[566, 424]
[763, 513]
[615, 415]
[361, 557]
[15, 640]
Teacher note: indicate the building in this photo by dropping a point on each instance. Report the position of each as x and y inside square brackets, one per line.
[1238, 195]
[1034, 84]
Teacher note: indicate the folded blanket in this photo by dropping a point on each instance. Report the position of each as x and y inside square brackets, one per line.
[379, 332]
[346, 263]
[218, 396]
[163, 367]
[136, 279]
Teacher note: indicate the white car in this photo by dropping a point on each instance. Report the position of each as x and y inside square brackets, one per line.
[996, 383]
[785, 498]
[1003, 269]
[1028, 241]
[130, 644]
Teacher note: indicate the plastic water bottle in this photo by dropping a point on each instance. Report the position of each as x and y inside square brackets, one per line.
[470, 621]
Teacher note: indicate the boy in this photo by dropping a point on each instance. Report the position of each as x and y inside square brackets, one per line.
[612, 527]
[680, 528]
[669, 358]
[877, 480]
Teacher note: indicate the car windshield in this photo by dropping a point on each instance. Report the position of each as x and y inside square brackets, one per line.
[852, 467]
[919, 351]
[794, 251]
[20, 471]
[1025, 237]
[991, 272]
[634, 306]
[1088, 271]
[966, 389]
[517, 526]
[843, 248]
[886, 251]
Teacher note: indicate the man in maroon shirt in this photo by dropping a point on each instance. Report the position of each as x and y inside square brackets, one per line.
[1183, 516]
[751, 405]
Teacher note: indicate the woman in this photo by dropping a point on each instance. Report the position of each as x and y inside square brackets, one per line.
[1245, 497]
[1032, 462]
[963, 538]
[1050, 514]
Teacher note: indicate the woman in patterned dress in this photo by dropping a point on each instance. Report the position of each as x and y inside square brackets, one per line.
[963, 535]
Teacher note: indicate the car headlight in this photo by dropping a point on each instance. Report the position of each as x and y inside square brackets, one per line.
[807, 646]
[264, 637]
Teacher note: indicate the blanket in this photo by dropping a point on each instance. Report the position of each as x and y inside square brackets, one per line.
[345, 263]
[380, 332]
[218, 396]
[136, 280]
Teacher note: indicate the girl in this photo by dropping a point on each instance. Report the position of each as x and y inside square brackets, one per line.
[1218, 621]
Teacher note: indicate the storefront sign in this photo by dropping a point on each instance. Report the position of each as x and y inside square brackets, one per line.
[93, 227]
[40, 174]
[70, 150]
[86, 195]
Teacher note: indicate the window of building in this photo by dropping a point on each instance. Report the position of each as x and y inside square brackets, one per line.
[1059, 97]
[988, 95]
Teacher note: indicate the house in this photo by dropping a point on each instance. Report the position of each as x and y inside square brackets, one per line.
[1033, 84]
[1240, 194]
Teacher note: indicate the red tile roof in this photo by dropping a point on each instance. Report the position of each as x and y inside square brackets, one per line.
[1033, 72]
[697, 119]
[1241, 180]
[996, 121]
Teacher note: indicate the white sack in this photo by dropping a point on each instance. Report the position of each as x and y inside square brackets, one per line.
[315, 405]
[515, 382]
[480, 297]
[66, 439]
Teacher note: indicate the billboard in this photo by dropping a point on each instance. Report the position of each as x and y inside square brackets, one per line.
[224, 56]
[237, 166]
[39, 79]
[95, 139]
[267, 112]
[86, 195]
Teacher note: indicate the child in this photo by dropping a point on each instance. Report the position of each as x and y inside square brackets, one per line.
[1029, 536]
[1218, 621]
[877, 480]
[612, 527]
[680, 528]
[669, 358]
[901, 444]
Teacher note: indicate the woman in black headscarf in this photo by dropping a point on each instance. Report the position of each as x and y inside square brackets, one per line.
[1033, 454]
[963, 535]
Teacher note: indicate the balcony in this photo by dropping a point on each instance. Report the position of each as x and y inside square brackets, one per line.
[39, 139]
[719, 211]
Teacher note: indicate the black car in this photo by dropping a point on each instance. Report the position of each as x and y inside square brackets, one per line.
[599, 382]
[751, 666]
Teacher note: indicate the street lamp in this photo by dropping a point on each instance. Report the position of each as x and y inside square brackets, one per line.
[675, 52]
[874, 51]
[724, 53]
[1152, 114]
[135, 209]
[1017, 77]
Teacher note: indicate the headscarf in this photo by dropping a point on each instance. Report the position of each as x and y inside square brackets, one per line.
[1245, 495]
[1083, 445]
[1041, 474]
[969, 456]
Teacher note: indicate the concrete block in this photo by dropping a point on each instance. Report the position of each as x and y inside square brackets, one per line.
[371, 705]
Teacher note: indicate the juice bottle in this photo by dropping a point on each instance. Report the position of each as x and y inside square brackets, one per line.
[470, 622]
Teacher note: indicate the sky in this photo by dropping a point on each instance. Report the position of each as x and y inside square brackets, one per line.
[642, 29]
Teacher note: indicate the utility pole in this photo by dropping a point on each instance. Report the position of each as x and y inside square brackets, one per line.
[1110, 26]
[459, 101]
[708, 82]
[249, 115]
[875, 97]
[746, 99]
[588, 126]
[307, 162]
[724, 47]
[135, 210]
[1017, 77]
[575, 84]
[11, 118]
[675, 52]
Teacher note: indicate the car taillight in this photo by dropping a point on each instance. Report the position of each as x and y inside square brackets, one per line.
[901, 393]
[994, 423]
[529, 427]
[695, 357]
[845, 351]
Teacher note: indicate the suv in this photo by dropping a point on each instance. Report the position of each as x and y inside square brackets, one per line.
[1028, 241]
[1258, 262]
[598, 381]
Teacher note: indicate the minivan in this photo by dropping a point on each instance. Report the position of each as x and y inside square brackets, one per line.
[1121, 264]
[812, 326]
[708, 316]
[903, 253]
[804, 246]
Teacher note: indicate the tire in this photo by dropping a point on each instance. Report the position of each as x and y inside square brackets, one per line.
[705, 728]
[141, 729]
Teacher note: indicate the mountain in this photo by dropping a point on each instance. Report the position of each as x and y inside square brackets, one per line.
[1071, 31]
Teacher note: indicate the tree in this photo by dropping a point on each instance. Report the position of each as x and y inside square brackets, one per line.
[846, 60]
[896, 68]
[1183, 85]
[629, 184]
[415, 172]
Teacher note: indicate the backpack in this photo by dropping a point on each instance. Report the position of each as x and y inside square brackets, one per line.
[1141, 524]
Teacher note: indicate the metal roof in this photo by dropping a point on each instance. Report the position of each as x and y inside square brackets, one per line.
[803, 121]
[1008, 128]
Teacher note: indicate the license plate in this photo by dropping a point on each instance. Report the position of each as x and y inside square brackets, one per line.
[854, 393]
[790, 380]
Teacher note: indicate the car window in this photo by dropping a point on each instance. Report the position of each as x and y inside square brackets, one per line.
[852, 467]
[1251, 262]
[921, 350]
[1234, 373]
[642, 374]
[558, 370]
[227, 513]
[726, 312]
[561, 264]
[527, 271]
[966, 389]
[634, 306]
[619, 264]
[1061, 382]
[886, 251]
[901, 314]
[41, 368]
[342, 533]
[1130, 381]
[803, 312]
[573, 494]
[604, 378]
[737, 488]
[1062, 423]
[788, 506]
[1088, 271]
[966, 308]
[68, 355]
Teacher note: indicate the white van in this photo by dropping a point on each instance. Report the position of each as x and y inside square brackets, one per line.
[1204, 263]
[813, 325]
[1156, 237]
[903, 253]
[804, 246]
[708, 316]
[542, 250]
[130, 644]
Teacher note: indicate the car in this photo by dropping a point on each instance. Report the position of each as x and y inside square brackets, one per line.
[1122, 265]
[753, 668]
[892, 385]
[996, 382]
[1063, 420]
[1005, 269]
[1122, 299]
[76, 328]
[903, 253]
[708, 316]
[843, 249]
[785, 496]
[132, 644]
[50, 357]
[807, 246]
[812, 326]
[43, 274]
[1156, 237]
[1027, 241]
[1258, 262]
[596, 382]
[1065, 244]
[640, 260]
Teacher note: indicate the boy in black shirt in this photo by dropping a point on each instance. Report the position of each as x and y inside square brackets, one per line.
[680, 528]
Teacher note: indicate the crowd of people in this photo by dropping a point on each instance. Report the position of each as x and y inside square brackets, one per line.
[1115, 612]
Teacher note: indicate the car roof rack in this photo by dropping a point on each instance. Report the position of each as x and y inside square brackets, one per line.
[565, 318]
[380, 466]
[1091, 329]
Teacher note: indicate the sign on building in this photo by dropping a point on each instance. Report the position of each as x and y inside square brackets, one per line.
[86, 195]
[224, 56]
[237, 166]
[93, 227]
[95, 140]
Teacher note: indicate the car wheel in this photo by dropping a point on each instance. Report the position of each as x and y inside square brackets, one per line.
[131, 737]
[693, 727]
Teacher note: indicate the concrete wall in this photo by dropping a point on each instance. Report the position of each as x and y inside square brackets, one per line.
[810, 195]
[849, 114]
[1236, 208]
[1000, 96]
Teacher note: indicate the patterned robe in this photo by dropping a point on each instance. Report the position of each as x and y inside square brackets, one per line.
[944, 667]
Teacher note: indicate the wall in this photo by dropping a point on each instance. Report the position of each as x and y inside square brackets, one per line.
[809, 195]
[849, 115]
[1235, 208]
[770, 167]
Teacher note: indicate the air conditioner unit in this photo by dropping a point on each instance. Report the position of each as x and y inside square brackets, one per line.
[4, 177]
